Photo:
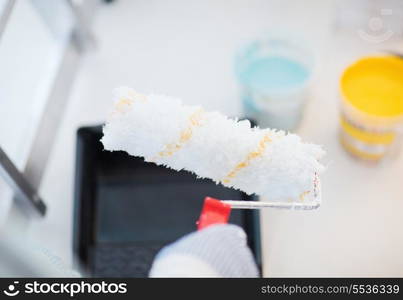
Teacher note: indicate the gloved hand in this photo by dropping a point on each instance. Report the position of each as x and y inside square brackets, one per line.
[216, 251]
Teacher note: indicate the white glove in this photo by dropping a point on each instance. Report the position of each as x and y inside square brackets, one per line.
[216, 251]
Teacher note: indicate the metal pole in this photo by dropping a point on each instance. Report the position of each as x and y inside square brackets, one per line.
[5, 15]
[23, 190]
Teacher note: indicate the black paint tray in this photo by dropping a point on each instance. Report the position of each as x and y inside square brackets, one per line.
[126, 210]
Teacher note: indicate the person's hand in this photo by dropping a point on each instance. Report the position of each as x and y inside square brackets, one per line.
[216, 251]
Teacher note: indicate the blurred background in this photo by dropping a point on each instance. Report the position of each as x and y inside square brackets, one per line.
[60, 61]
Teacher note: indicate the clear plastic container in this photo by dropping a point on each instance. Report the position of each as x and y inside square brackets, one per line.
[274, 76]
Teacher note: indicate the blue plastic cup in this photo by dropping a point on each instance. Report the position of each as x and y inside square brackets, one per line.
[274, 75]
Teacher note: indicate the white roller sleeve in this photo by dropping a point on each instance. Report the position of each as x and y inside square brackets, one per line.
[161, 129]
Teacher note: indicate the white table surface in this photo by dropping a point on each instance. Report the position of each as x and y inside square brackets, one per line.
[185, 49]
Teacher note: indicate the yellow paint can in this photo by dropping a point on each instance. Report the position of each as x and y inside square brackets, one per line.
[371, 116]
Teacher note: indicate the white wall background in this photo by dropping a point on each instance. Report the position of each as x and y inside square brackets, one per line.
[186, 49]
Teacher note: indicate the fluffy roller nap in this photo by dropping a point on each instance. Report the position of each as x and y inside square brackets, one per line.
[257, 161]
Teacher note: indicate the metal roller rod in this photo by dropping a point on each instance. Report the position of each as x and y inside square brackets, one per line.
[259, 205]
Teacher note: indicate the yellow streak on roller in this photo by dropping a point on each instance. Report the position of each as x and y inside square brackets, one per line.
[126, 101]
[251, 156]
[136, 96]
[185, 136]
[123, 105]
[303, 195]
